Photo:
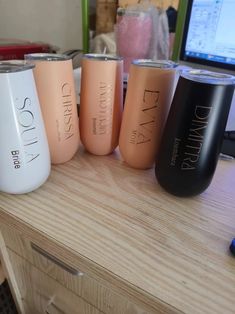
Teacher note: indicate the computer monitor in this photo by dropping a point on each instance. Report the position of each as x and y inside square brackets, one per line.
[206, 38]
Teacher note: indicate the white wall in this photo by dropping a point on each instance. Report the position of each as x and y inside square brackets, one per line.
[57, 22]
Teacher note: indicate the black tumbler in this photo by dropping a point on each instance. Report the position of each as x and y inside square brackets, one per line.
[193, 134]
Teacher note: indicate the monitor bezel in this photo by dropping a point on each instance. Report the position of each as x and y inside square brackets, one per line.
[194, 60]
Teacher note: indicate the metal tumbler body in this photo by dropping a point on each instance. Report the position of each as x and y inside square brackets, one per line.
[54, 79]
[193, 134]
[148, 98]
[101, 103]
[24, 158]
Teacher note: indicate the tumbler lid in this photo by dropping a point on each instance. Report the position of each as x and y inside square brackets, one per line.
[161, 64]
[209, 77]
[46, 57]
[132, 12]
[15, 66]
[101, 57]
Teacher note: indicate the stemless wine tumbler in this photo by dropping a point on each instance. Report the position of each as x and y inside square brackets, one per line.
[134, 31]
[56, 91]
[24, 158]
[101, 103]
[149, 94]
[193, 134]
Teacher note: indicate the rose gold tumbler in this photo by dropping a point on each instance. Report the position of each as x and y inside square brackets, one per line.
[149, 93]
[54, 79]
[101, 103]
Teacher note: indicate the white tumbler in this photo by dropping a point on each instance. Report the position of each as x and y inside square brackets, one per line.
[24, 157]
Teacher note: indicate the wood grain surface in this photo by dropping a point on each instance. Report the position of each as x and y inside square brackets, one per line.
[106, 11]
[117, 224]
[163, 4]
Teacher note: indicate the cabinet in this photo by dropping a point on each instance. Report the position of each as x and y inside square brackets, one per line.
[43, 278]
[42, 294]
[100, 237]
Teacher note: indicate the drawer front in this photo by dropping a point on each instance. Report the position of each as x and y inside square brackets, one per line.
[43, 294]
[75, 280]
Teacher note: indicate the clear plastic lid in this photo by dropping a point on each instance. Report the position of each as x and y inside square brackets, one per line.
[15, 66]
[209, 77]
[162, 64]
[101, 57]
[46, 57]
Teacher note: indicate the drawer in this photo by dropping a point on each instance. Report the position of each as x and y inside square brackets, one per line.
[79, 283]
[42, 294]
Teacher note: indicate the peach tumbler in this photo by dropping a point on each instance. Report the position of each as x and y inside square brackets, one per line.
[148, 98]
[54, 79]
[101, 103]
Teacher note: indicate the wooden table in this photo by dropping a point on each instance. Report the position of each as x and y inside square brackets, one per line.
[169, 254]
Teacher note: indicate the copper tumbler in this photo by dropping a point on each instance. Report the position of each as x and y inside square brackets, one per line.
[101, 102]
[149, 93]
[54, 79]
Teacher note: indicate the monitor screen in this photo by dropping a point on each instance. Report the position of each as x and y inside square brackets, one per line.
[208, 36]
[208, 39]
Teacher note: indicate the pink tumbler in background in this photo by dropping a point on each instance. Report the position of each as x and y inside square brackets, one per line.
[133, 35]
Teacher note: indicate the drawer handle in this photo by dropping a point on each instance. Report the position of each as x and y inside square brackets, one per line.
[56, 261]
[54, 309]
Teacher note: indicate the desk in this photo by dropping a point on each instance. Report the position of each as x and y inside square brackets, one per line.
[162, 253]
